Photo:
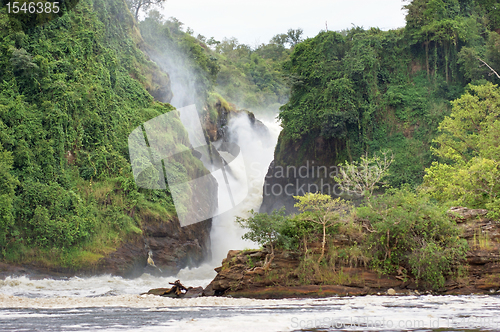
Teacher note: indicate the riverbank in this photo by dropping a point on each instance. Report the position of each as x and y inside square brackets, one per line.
[244, 273]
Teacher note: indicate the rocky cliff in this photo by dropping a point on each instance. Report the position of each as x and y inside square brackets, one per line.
[305, 165]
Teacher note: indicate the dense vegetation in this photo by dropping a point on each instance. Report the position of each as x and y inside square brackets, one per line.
[72, 90]
[253, 78]
[469, 171]
[374, 89]
[426, 92]
[399, 232]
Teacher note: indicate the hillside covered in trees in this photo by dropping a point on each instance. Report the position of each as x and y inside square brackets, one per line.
[373, 89]
[74, 86]
[415, 109]
[358, 91]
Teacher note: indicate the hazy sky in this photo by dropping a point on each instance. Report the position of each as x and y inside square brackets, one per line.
[257, 21]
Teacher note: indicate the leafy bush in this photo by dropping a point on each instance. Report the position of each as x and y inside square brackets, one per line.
[407, 231]
[468, 146]
[266, 229]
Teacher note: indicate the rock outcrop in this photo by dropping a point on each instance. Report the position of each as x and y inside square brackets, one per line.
[243, 274]
[174, 247]
[461, 214]
[299, 167]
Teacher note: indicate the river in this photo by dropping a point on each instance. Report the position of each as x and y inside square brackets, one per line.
[115, 304]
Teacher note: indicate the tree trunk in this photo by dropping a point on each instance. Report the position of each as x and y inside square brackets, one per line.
[446, 61]
[427, 58]
[139, 5]
[268, 263]
[323, 244]
[435, 58]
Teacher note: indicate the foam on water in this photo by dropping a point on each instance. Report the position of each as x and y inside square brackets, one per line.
[104, 285]
[367, 313]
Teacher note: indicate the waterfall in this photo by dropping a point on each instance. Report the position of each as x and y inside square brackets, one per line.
[247, 173]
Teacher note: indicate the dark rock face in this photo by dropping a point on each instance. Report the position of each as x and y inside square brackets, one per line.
[300, 167]
[173, 247]
[219, 130]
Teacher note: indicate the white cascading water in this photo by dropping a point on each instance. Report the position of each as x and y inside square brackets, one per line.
[258, 153]
[226, 234]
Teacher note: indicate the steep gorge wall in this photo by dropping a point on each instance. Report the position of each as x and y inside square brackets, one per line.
[306, 165]
[65, 123]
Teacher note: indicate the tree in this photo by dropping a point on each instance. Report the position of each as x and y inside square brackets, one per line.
[321, 209]
[294, 36]
[7, 186]
[407, 231]
[361, 177]
[136, 6]
[264, 229]
[468, 145]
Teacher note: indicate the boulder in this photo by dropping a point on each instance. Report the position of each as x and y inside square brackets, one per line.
[193, 292]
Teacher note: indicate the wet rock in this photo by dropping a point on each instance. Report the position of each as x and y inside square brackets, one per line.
[307, 291]
[193, 292]
[157, 291]
[174, 247]
[177, 290]
[208, 291]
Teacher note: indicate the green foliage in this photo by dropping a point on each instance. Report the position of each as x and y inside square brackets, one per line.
[469, 144]
[7, 186]
[71, 92]
[492, 14]
[367, 90]
[253, 78]
[405, 233]
[54, 217]
[410, 232]
[299, 231]
[323, 210]
[265, 229]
